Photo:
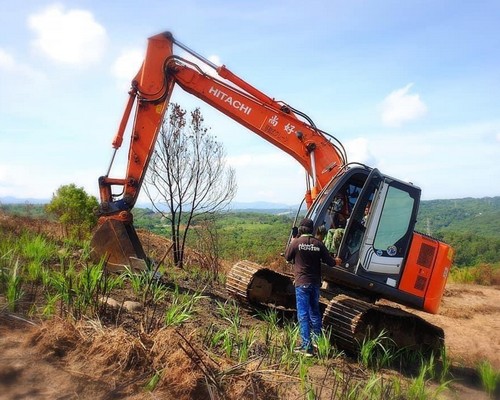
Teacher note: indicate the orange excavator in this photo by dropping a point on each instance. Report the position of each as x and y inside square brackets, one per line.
[382, 256]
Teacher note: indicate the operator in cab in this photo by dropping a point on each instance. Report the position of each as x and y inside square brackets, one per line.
[307, 252]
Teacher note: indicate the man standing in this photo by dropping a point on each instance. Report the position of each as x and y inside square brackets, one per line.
[307, 253]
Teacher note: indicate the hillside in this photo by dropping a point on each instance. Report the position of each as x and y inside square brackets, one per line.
[475, 216]
[471, 226]
[217, 349]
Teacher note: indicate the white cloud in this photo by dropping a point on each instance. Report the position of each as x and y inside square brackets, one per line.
[400, 106]
[206, 68]
[6, 61]
[358, 151]
[215, 59]
[69, 37]
[40, 182]
[127, 65]
[11, 66]
[269, 176]
[21, 84]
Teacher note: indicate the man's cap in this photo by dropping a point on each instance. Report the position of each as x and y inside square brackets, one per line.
[307, 223]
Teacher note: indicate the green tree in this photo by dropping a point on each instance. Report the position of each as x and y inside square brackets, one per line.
[74, 209]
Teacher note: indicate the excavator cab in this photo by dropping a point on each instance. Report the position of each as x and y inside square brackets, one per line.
[381, 214]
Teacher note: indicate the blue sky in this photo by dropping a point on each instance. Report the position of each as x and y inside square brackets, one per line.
[412, 87]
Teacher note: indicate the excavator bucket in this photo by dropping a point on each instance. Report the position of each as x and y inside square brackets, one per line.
[119, 244]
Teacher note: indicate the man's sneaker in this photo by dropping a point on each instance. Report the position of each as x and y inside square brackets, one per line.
[304, 352]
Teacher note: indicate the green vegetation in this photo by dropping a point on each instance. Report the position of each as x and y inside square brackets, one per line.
[377, 352]
[482, 274]
[471, 226]
[479, 217]
[489, 377]
[74, 208]
[41, 278]
[181, 308]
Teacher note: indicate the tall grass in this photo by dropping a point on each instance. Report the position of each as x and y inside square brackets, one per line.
[78, 287]
[13, 283]
[92, 284]
[246, 341]
[288, 341]
[325, 349]
[377, 352]
[37, 249]
[305, 383]
[418, 387]
[182, 307]
[489, 377]
[483, 274]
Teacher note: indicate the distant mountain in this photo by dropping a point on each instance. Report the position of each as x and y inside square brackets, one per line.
[261, 205]
[16, 200]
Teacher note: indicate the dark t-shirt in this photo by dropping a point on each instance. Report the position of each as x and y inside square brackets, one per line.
[307, 252]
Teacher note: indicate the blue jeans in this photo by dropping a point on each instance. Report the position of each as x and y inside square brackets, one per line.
[308, 313]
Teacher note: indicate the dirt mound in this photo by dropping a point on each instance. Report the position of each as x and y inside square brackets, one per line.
[119, 364]
[470, 317]
[19, 224]
[55, 339]
[59, 359]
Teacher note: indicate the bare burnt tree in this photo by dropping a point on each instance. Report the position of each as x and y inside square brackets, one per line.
[208, 246]
[188, 177]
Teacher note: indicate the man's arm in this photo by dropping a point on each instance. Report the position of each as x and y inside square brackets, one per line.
[326, 257]
[290, 251]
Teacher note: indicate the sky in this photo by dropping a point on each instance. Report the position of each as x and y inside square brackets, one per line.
[409, 87]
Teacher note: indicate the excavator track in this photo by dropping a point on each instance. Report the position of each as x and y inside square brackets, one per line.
[352, 321]
[254, 284]
[342, 316]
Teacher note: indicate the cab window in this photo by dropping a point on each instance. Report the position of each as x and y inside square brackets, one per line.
[395, 219]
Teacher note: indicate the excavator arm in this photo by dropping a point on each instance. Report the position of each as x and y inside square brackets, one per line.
[273, 121]
[321, 155]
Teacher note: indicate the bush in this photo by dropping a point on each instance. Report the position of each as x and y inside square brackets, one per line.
[483, 274]
[74, 209]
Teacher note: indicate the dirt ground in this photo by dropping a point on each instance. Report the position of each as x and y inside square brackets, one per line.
[470, 316]
[67, 367]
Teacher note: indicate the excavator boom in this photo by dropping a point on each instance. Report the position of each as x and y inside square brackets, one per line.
[150, 92]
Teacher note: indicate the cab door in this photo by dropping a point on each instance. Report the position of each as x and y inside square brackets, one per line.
[388, 230]
[355, 231]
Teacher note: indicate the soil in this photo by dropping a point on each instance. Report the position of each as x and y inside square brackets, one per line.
[87, 360]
